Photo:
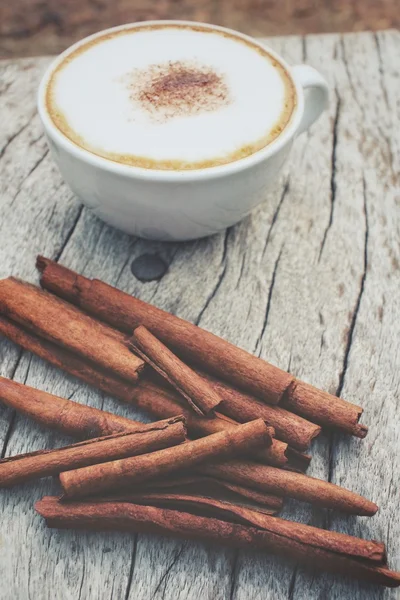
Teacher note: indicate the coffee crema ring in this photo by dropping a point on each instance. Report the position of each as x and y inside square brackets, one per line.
[170, 96]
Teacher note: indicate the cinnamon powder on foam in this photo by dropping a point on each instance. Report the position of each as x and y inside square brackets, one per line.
[177, 89]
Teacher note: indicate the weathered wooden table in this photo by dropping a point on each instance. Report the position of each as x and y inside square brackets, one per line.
[310, 281]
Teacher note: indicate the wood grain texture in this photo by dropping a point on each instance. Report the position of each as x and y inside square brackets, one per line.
[309, 281]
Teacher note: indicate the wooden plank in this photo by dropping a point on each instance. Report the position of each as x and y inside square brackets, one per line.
[309, 281]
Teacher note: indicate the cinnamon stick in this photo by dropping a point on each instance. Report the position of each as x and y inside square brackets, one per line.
[67, 361]
[43, 463]
[162, 403]
[217, 488]
[289, 427]
[147, 396]
[290, 484]
[213, 354]
[199, 503]
[189, 341]
[61, 323]
[315, 549]
[63, 415]
[202, 398]
[77, 420]
[339, 543]
[321, 407]
[83, 421]
[128, 471]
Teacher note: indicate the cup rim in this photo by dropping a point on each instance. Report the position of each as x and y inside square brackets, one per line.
[175, 175]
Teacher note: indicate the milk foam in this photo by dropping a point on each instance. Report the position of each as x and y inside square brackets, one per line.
[93, 98]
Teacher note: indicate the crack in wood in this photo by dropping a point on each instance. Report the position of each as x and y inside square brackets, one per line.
[15, 135]
[285, 191]
[289, 365]
[333, 171]
[331, 466]
[350, 336]
[269, 301]
[83, 576]
[35, 140]
[165, 575]
[242, 263]
[9, 431]
[359, 297]
[132, 567]
[30, 572]
[69, 234]
[37, 163]
[321, 343]
[220, 278]
[234, 573]
[53, 210]
[349, 76]
[35, 166]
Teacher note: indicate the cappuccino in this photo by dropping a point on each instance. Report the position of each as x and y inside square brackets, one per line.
[170, 96]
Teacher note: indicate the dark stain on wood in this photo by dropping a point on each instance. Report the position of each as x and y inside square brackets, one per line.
[149, 267]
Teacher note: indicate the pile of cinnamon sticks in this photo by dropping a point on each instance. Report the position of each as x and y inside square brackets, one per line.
[230, 443]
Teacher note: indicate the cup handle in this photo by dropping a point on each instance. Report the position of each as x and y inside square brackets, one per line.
[316, 98]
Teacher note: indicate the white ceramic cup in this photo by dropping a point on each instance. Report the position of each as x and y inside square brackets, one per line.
[187, 204]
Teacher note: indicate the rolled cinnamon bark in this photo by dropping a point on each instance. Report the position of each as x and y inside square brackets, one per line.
[67, 361]
[63, 415]
[61, 323]
[77, 420]
[339, 543]
[293, 485]
[189, 341]
[176, 499]
[82, 421]
[201, 397]
[325, 409]
[148, 396]
[316, 549]
[289, 427]
[128, 471]
[193, 344]
[43, 463]
[217, 488]
[162, 403]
